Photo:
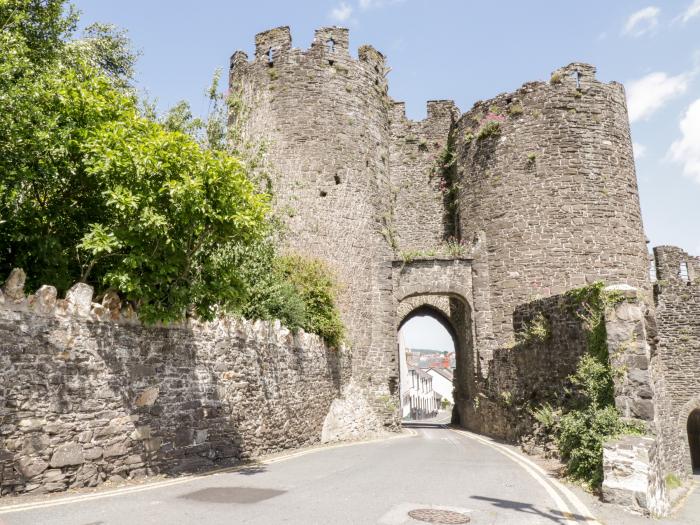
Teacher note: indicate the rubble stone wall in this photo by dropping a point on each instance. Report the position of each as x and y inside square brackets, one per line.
[527, 373]
[86, 398]
[420, 219]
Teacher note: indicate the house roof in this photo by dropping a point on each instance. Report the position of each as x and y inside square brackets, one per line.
[444, 372]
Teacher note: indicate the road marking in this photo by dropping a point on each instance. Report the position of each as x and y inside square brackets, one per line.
[542, 478]
[20, 507]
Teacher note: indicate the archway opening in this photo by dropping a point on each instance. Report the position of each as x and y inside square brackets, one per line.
[694, 438]
[427, 361]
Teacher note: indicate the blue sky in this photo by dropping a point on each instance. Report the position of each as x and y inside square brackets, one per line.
[466, 51]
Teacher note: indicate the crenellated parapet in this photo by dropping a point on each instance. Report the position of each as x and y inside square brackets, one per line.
[674, 265]
[272, 44]
[329, 48]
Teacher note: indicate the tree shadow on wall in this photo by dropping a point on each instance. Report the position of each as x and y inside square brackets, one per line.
[145, 396]
[148, 402]
[163, 400]
[535, 370]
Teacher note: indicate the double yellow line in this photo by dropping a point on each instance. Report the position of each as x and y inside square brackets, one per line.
[553, 488]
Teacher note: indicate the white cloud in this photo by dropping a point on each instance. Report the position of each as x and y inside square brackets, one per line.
[341, 12]
[639, 150]
[692, 11]
[642, 21]
[647, 94]
[686, 150]
[372, 4]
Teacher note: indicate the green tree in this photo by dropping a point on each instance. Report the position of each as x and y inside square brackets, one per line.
[93, 191]
[94, 187]
[168, 207]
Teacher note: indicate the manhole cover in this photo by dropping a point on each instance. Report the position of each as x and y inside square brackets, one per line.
[439, 516]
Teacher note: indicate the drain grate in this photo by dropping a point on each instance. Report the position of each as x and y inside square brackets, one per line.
[447, 517]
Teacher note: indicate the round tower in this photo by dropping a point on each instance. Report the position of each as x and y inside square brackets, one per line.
[323, 116]
[547, 173]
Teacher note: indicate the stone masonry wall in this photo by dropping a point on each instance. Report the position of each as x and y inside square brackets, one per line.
[88, 394]
[527, 373]
[324, 116]
[676, 364]
[554, 190]
[420, 219]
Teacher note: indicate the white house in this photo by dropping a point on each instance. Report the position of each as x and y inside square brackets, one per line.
[421, 400]
[442, 382]
[418, 399]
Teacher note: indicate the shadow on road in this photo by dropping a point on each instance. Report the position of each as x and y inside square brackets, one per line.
[553, 515]
[232, 494]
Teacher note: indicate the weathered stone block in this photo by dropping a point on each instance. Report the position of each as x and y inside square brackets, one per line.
[141, 433]
[13, 288]
[147, 397]
[34, 444]
[115, 449]
[93, 453]
[31, 467]
[68, 454]
[45, 299]
[79, 298]
[32, 425]
[630, 475]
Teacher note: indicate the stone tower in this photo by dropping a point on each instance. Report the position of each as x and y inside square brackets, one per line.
[554, 190]
[324, 116]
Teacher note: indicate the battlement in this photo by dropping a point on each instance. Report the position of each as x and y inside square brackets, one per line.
[577, 74]
[673, 264]
[367, 53]
[436, 110]
[332, 39]
[330, 43]
[270, 44]
[573, 79]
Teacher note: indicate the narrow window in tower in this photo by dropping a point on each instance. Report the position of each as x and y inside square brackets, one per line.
[683, 272]
[269, 57]
[336, 177]
[577, 76]
[330, 45]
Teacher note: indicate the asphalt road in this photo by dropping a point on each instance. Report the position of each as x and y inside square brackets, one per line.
[377, 482]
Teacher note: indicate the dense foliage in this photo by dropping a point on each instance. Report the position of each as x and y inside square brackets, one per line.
[592, 419]
[94, 189]
[584, 429]
[298, 291]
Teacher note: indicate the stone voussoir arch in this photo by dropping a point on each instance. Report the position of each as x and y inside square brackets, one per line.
[415, 303]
